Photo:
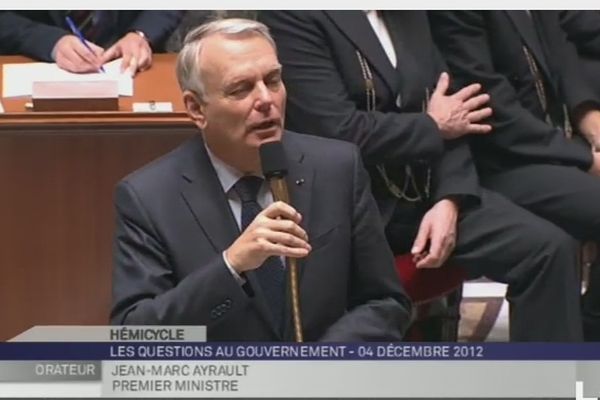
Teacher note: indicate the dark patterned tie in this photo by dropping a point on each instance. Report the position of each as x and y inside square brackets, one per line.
[271, 274]
[88, 23]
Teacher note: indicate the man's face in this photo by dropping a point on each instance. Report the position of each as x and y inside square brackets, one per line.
[244, 104]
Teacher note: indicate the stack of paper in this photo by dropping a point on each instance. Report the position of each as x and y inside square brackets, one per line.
[17, 79]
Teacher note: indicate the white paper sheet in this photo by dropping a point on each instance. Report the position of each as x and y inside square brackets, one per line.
[17, 79]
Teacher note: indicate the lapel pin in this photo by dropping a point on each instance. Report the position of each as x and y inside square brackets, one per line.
[300, 181]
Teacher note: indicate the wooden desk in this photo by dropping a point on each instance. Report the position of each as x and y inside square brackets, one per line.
[57, 176]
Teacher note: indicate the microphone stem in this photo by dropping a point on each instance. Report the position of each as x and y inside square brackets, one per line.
[295, 299]
[280, 193]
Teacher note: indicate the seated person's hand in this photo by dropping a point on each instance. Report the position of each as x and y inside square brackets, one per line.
[71, 55]
[274, 232]
[589, 125]
[595, 169]
[436, 237]
[460, 113]
[135, 50]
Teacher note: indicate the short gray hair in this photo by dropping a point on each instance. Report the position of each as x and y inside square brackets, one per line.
[188, 71]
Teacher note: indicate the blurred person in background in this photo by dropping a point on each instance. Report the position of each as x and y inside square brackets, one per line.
[46, 36]
[375, 78]
[543, 150]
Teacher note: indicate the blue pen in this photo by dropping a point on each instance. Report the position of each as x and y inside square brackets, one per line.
[77, 33]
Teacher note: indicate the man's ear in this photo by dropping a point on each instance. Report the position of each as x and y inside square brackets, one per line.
[195, 108]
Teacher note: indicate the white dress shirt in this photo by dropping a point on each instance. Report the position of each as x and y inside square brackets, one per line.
[378, 25]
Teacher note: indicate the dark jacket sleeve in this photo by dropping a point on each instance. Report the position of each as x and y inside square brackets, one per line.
[454, 175]
[573, 82]
[157, 25]
[21, 35]
[318, 102]
[379, 309]
[583, 29]
[462, 36]
[145, 291]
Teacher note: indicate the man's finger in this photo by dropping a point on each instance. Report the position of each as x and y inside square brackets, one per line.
[479, 129]
[476, 102]
[422, 238]
[286, 225]
[442, 84]
[82, 62]
[126, 61]
[478, 115]
[66, 64]
[84, 54]
[279, 209]
[467, 92]
[428, 261]
[110, 54]
[76, 63]
[144, 58]
[279, 250]
[144, 62]
[432, 260]
[447, 248]
[133, 66]
[286, 239]
[98, 51]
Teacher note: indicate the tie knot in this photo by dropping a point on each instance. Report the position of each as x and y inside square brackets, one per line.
[247, 188]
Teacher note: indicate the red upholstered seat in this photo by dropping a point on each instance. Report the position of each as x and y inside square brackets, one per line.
[424, 285]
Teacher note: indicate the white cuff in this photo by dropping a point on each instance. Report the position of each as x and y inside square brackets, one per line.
[239, 279]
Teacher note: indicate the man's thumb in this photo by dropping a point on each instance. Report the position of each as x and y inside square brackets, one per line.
[442, 84]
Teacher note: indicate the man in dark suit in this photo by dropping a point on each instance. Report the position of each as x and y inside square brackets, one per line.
[188, 250]
[583, 30]
[369, 81]
[45, 36]
[545, 119]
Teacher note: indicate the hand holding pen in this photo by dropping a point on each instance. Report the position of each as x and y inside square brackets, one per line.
[73, 53]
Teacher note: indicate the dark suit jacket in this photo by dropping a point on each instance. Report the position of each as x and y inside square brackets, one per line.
[326, 93]
[583, 30]
[487, 47]
[174, 222]
[34, 33]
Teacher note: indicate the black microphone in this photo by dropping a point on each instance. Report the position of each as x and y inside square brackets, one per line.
[275, 169]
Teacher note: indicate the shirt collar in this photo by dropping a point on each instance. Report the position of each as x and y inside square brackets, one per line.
[228, 175]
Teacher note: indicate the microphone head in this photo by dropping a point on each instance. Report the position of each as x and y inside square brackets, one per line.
[272, 159]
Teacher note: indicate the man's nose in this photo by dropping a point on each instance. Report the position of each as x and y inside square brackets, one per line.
[264, 98]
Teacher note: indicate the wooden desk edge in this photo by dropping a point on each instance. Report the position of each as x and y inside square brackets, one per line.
[146, 89]
[31, 119]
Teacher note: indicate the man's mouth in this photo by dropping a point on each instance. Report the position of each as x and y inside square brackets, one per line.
[264, 125]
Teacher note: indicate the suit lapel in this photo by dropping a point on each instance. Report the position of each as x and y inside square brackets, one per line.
[355, 26]
[526, 28]
[209, 205]
[205, 198]
[300, 182]
[413, 67]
